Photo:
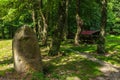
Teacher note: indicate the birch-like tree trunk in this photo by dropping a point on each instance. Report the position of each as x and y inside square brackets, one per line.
[65, 30]
[101, 41]
[79, 23]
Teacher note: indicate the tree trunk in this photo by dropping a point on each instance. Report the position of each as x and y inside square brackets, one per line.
[101, 41]
[10, 29]
[58, 32]
[44, 31]
[50, 13]
[55, 45]
[65, 34]
[3, 34]
[41, 23]
[79, 23]
[35, 21]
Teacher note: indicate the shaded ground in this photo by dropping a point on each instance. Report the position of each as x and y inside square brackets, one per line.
[70, 67]
[111, 72]
[78, 63]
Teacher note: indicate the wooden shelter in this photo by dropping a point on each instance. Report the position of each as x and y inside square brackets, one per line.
[89, 36]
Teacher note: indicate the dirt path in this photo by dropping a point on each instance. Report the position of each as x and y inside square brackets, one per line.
[111, 72]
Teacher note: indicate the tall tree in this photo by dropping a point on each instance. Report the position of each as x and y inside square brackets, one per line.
[58, 32]
[44, 17]
[65, 34]
[79, 22]
[101, 41]
[35, 15]
[3, 33]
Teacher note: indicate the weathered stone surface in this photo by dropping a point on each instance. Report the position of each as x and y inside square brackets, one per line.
[26, 51]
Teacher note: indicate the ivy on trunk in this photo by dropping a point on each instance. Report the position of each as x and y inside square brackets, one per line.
[58, 31]
[101, 41]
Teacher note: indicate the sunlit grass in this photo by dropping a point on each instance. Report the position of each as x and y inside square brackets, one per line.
[112, 48]
[6, 61]
[113, 43]
[71, 66]
[61, 67]
[5, 49]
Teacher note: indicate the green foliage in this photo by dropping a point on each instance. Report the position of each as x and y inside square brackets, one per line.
[37, 76]
[113, 14]
[15, 12]
[93, 9]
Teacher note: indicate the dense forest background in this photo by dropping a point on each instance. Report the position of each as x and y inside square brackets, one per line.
[74, 38]
[15, 13]
[60, 20]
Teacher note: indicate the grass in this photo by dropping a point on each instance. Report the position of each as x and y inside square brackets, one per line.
[56, 68]
[112, 49]
[6, 62]
[71, 66]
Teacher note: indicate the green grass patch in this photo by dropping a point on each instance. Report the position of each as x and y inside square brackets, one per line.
[112, 49]
[6, 62]
[69, 67]
[60, 67]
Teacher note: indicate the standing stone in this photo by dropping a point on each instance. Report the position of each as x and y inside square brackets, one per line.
[26, 51]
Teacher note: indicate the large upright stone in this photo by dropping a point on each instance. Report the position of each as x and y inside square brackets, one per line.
[26, 51]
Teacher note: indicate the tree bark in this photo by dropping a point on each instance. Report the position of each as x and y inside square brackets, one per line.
[36, 6]
[65, 34]
[10, 29]
[3, 34]
[44, 30]
[35, 22]
[101, 41]
[58, 32]
[41, 23]
[79, 23]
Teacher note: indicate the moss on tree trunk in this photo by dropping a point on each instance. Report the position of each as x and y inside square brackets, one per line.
[58, 31]
[101, 41]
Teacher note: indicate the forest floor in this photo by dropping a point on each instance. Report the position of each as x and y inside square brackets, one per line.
[110, 71]
[76, 62]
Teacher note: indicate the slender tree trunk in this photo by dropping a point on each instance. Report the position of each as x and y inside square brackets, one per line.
[42, 23]
[79, 24]
[10, 29]
[3, 34]
[111, 28]
[101, 41]
[50, 15]
[12, 32]
[35, 22]
[45, 27]
[66, 21]
[58, 32]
